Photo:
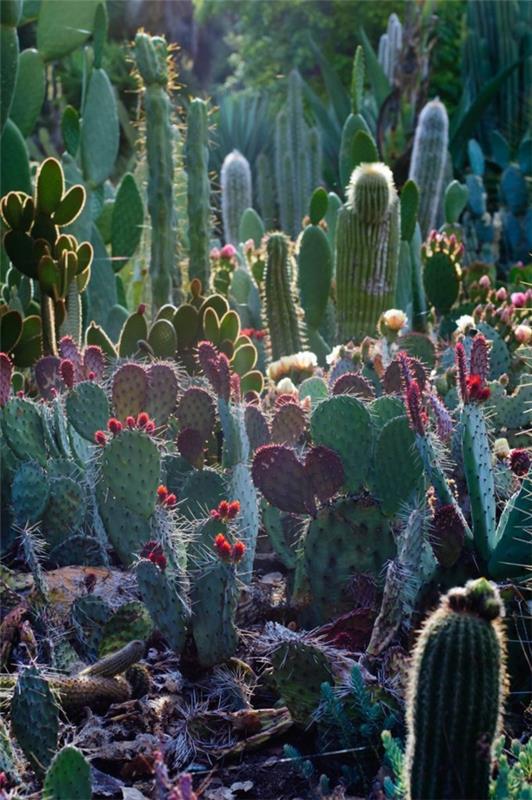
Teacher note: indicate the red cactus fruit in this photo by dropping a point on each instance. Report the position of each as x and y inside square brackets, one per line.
[477, 391]
[154, 553]
[162, 492]
[223, 547]
[170, 500]
[100, 438]
[520, 461]
[131, 422]
[141, 309]
[114, 426]
[150, 426]
[91, 376]
[142, 419]
[239, 548]
[234, 509]
[223, 508]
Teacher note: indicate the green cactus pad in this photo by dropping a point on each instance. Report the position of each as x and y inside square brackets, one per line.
[89, 614]
[164, 597]
[162, 392]
[131, 622]
[398, 469]
[202, 491]
[129, 390]
[315, 262]
[344, 424]
[315, 388]
[34, 718]
[511, 411]
[99, 132]
[251, 227]
[383, 409]
[65, 511]
[214, 599]
[478, 471]
[29, 492]
[299, 669]
[23, 427]
[68, 777]
[127, 221]
[62, 26]
[135, 329]
[128, 532]
[288, 424]
[441, 281]
[347, 539]
[196, 410]
[78, 549]
[87, 409]
[29, 91]
[131, 468]
[162, 339]
[511, 550]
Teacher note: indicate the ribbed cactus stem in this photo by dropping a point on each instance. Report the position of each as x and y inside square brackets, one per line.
[265, 191]
[151, 54]
[299, 148]
[280, 308]
[429, 156]
[456, 694]
[198, 191]
[390, 45]
[72, 322]
[236, 193]
[367, 255]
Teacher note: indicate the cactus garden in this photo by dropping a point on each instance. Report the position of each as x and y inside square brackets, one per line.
[265, 397]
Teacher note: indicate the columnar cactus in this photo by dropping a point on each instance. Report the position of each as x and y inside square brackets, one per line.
[367, 251]
[285, 333]
[390, 45]
[427, 167]
[296, 150]
[198, 190]
[236, 193]
[265, 191]
[456, 692]
[151, 54]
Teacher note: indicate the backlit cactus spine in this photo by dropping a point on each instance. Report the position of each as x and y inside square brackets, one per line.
[456, 694]
[282, 320]
[236, 193]
[429, 156]
[367, 251]
[151, 54]
[198, 191]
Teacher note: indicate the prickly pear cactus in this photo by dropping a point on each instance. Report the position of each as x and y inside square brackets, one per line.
[34, 718]
[68, 777]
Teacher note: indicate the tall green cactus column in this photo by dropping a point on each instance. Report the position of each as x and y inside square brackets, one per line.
[284, 326]
[151, 54]
[367, 251]
[236, 193]
[427, 167]
[456, 692]
[198, 191]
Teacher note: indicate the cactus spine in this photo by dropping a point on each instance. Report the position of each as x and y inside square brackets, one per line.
[280, 308]
[429, 158]
[236, 193]
[198, 191]
[151, 54]
[390, 45]
[456, 694]
[367, 251]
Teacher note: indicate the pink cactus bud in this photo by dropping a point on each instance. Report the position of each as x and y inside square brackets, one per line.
[484, 282]
[228, 251]
[501, 294]
[518, 299]
[141, 309]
